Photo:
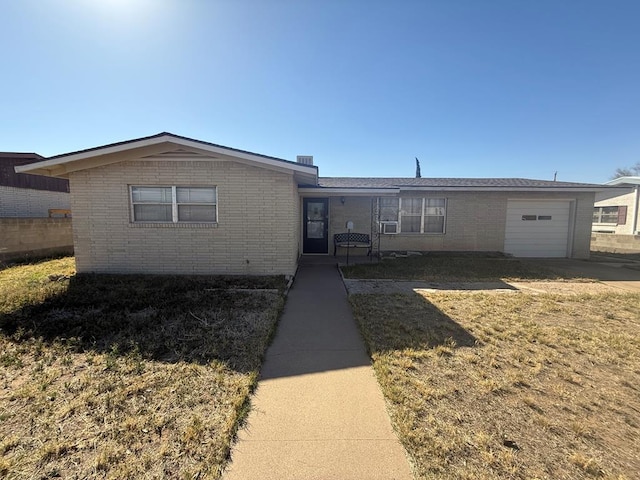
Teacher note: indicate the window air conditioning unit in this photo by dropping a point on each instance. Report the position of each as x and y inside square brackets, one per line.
[388, 228]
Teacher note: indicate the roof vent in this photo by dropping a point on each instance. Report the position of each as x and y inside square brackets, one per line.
[305, 159]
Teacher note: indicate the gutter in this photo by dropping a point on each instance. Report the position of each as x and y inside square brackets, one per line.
[636, 206]
[450, 188]
[348, 191]
[506, 189]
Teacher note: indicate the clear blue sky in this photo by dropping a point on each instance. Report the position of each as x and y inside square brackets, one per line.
[480, 88]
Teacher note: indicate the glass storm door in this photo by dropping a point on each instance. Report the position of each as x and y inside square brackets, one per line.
[315, 213]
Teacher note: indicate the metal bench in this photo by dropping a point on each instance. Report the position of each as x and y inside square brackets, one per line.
[351, 240]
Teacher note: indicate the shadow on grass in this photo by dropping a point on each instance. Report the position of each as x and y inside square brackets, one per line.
[455, 267]
[624, 257]
[398, 322]
[162, 318]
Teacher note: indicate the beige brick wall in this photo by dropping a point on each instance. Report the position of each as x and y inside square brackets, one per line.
[27, 202]
[355, 209]
[256, 234]
[475, 222]
[34, 237]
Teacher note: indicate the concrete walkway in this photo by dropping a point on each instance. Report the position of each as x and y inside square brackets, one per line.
[610, 271]
[318, 412]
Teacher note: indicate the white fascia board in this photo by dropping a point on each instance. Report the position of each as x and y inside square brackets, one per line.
[623, 180]
[74, 157]
[47, 164]
[328, 191]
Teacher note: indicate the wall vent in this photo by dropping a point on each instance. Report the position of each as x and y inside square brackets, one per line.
[305, 159]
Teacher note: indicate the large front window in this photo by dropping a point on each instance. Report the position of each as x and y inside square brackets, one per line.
[174, 204]
[414, 214]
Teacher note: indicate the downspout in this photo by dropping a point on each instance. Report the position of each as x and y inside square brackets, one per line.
[636, 206]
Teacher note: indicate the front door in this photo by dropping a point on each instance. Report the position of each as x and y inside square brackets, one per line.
[315, 219]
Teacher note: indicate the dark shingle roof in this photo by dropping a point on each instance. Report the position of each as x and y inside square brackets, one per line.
[360, 182]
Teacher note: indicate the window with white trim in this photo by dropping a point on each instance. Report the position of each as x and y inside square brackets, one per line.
[612, 215]
[174, 204]
[414, 214]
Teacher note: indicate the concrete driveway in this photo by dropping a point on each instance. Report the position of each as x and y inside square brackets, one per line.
[619, 273]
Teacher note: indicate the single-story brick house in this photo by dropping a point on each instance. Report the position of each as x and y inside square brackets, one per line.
[171, 204]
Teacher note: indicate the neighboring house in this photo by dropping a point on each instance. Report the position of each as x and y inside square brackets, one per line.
[26, 203]
[23, 195]
[171, 204]
[618, 210]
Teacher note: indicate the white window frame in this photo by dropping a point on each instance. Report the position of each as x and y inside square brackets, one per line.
[389, 228]
[174, 203]
[598, 212]
[423, 215]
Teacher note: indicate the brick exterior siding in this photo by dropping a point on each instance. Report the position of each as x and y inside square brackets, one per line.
[256, 233]
[27, 202]
[475, 221]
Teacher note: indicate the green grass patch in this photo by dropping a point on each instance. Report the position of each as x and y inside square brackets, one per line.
[127, 376]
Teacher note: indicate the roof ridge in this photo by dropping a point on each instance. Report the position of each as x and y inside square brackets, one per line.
[169, 134]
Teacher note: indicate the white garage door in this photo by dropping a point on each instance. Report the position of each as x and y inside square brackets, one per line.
[537, 228]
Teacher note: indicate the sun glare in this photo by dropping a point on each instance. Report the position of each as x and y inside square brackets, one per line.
[126, 17]
[130, 9]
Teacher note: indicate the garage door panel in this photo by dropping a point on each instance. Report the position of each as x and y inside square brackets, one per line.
[539, 237]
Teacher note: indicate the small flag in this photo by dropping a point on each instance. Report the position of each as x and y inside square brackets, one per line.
[418, 168]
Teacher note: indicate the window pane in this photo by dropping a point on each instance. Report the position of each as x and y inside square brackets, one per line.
[609, 215]
[196, 195]
[410, 224]
[412, 206]
[196, 213]
[388, 209]
[433, 225]
[152, 213]
[434, 211]
[151, 194]
[315, 229]
[315, 211]
[434, 202]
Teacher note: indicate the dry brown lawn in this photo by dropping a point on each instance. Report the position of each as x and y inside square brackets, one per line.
[451, 267]
[519, 386]
[126, 376]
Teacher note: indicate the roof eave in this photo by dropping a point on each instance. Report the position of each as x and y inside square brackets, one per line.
[349, 191]
[624, 180]
[63, 164]
[450, 188]
[506, 189]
